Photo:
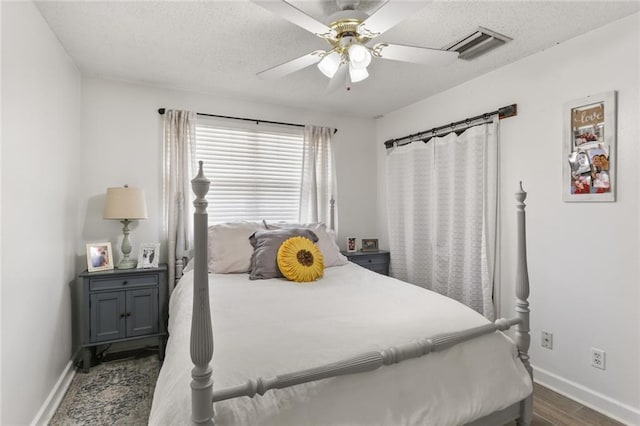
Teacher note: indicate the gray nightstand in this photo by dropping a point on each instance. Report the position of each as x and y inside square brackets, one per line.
[377, 261]
[122, 305]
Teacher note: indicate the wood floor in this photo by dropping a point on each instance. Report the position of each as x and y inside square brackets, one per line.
[553, 409]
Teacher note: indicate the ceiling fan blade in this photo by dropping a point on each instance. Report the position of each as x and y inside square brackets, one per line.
[418, 55]
[292, 66]
[339, 79]
[294, 15]
[390, 14]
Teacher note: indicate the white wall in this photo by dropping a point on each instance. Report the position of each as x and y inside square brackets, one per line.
[583, 257]
[122, 138]
[40, 152]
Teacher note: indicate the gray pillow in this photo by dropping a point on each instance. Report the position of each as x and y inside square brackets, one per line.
[264, 261]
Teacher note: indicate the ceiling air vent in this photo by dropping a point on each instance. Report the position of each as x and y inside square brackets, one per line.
[477, 43]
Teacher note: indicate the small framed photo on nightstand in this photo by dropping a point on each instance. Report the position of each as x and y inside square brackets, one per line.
[351, 244]
[369, 244]
[148, 255]
[99, 257]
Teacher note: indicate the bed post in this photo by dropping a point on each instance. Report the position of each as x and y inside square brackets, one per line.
[522, 335]
[179, 253]
[201, 330]
[332, 214]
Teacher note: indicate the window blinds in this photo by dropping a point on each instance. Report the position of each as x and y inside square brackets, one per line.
[255, 171]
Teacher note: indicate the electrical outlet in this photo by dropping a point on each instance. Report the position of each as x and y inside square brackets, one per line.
[598, 358]
[547, 340]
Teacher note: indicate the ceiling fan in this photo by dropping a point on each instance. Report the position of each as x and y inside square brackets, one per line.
[349, 34]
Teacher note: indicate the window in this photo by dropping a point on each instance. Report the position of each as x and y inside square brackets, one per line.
[255, 170]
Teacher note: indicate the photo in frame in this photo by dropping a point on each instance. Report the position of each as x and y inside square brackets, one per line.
[99, 257]
[351, 244]
[148, 255]
[589, 149]
[369, 244]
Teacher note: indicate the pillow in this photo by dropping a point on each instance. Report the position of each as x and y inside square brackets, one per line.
[264, 262]
[229, 247]
[300, 260]
[326, 241]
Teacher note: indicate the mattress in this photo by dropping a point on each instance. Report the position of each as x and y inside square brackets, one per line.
[270, 327]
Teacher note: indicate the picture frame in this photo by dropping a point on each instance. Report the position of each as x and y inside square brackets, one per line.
[369, 244]
[99, 257]
[351, 244]
[148, 255]
[589, 149]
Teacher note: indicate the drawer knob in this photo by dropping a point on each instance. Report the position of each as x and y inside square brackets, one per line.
[121, 315]
[369, 260]
[125, 282]
[128, 314]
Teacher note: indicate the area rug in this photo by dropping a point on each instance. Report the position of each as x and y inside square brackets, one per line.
[117, 392]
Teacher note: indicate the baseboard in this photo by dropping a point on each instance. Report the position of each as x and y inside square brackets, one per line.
[51, 404]
[588, 397]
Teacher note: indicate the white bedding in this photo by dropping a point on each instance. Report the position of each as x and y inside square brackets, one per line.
[270, 327]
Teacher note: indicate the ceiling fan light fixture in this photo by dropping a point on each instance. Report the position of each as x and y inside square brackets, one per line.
[359, 56]
[329, 64]
[349, 33]
[357, 74]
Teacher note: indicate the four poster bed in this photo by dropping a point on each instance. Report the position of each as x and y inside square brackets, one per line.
[354, 347]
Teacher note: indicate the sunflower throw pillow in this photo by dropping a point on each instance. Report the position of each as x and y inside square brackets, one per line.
[300, 260]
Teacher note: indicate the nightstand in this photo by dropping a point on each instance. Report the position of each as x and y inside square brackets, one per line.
[377, 261]
[122, 305]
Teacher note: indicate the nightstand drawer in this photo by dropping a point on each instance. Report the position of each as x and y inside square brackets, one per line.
[370, 259]
[381, 268]
[121, 283]
[376, 261]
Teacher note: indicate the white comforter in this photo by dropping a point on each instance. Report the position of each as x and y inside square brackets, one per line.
[269, 327]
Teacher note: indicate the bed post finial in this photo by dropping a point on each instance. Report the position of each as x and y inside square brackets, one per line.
[201, 329]
[200, 185]
[523, 333]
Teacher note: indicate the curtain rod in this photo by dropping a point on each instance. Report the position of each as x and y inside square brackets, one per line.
[504, 112]
[161, 111]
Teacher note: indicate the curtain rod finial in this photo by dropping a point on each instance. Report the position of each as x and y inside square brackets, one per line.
[508, 111]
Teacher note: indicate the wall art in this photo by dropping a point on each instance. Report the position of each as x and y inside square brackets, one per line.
[589, 149]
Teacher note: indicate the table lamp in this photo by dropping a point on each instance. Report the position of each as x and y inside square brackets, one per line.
[125, 204]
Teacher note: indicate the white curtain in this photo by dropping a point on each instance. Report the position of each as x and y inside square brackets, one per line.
[179, 168]
[318, 183]
[442, 206]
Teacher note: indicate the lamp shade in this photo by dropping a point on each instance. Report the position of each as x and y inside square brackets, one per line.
[359, 56]
[329, 64]
[357, 74]
[125, 203]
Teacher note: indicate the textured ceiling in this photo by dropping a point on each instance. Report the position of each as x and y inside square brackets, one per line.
[217, 47]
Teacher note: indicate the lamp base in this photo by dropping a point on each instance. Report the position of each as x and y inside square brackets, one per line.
[126, 264]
